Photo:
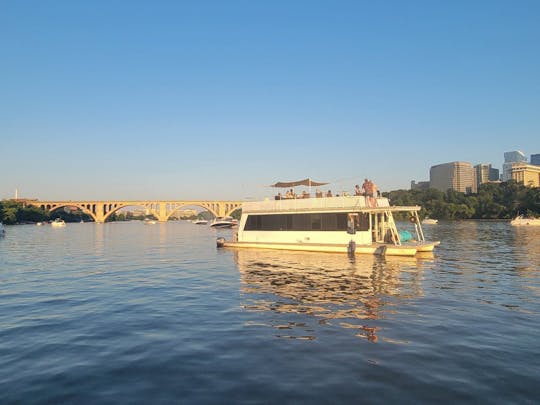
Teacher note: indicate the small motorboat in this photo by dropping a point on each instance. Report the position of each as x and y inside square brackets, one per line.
[58, 223]
[430, 221]
[521, 220]
[149, 222]
[223, 222]
[2, 230]
[200, 222]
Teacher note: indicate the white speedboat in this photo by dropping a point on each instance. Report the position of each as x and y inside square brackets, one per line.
[149, 222]
[345, 224]
[2, 230]
[430, 221]
[223, 222]
[200, 222]
[58, 223]
[520, 220]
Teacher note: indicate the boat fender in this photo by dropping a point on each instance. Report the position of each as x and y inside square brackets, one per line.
[412, 220]
[220, 242]
[351, 248]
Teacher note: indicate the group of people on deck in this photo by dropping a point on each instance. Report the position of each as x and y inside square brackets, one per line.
[368, 190]
[290, 194]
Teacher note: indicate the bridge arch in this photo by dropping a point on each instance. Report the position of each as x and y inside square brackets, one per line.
[117, 207]
[232, 208]
[54, 207]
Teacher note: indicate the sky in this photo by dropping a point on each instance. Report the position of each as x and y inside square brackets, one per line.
[138, 100]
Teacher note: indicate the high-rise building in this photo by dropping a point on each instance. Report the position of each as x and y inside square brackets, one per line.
[458, 176]
[493, 174]
[482, 173]
[510, 158]
[535, 159]
[485, 173]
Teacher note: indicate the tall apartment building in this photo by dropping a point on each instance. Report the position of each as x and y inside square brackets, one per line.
[510, 158]
[535, 159]
[485, 173]
[482, 173]
[458, 176]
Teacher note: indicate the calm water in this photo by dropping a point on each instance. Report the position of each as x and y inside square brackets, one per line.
[133, 313]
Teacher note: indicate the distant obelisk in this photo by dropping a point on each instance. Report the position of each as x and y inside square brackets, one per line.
[16, 194]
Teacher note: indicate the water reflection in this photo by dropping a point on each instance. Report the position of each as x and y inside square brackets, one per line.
[335, 289]
[526, 244]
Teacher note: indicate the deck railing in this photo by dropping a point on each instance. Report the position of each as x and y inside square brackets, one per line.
[311, 204]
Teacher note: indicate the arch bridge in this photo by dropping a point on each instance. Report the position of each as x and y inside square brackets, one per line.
[162, 210]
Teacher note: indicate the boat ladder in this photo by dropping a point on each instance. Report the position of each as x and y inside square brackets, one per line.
[393, 229]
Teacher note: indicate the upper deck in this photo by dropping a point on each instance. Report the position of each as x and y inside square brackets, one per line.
[324, 204]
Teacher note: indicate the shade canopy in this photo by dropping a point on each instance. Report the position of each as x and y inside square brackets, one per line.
[305, 182]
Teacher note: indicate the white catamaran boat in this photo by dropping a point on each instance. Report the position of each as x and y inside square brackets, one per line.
[346, 224]
[520, 220]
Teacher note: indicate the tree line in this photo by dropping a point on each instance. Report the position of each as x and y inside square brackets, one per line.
[14, 212]
[492, 201]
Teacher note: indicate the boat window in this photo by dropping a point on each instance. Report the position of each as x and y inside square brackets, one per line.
[253, 223]
[297, 222]
[316, 222]
[300, 222]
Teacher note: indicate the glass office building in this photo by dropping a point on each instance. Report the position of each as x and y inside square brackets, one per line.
[511, 158]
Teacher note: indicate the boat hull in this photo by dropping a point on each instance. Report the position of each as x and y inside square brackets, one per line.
[373, 249]
[223, 225]
[525, 222]
[426, 246]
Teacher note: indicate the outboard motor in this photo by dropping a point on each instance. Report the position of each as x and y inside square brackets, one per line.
[220, 242]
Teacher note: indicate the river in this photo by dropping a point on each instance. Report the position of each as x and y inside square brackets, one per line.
[134, 313]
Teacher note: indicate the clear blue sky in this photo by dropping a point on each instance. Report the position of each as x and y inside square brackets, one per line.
[216, 99]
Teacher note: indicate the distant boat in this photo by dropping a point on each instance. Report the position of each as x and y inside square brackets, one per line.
[2, 230]
[58, 223]
[200, 222]
[149, 222]
[520, 220]
[430, 221]
[223, 222]
[39, 223]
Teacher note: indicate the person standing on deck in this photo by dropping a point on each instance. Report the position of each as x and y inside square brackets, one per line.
[374, 193]
[365, 186]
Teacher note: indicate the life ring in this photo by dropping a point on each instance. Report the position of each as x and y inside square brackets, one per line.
[412, 220]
